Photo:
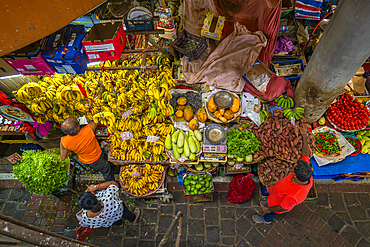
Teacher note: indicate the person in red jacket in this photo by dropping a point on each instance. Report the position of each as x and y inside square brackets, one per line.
[289, 191]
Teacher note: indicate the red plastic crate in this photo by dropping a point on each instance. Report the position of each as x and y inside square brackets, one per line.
[105, 41]
[102, 127]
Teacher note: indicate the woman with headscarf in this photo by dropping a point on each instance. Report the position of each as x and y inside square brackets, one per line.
[103, 208]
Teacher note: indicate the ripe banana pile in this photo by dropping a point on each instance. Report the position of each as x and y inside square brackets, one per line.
[264, 115]
[296, 113]
[284, 102]
[54, 98]
[140, 179]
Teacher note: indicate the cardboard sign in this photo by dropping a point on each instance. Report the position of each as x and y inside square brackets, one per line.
[127, 135]
[127, 113]
[152, 139]
[135, 173]
[14, 158]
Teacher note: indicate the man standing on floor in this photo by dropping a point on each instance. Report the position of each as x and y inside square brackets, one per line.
[84, 144]
[291, 190]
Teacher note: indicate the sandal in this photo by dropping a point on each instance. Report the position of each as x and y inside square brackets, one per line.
[137, 214]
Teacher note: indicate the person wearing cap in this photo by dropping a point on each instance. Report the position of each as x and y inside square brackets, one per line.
[290, 191]
[83, 142]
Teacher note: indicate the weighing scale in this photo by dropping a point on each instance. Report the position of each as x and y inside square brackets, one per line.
[214, 152]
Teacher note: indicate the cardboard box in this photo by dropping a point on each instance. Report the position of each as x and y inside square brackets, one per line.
[31, 65]
[6, 69]
[64, 51]
[105, 41]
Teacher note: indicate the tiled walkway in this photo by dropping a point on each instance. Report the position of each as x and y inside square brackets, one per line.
[338, 218]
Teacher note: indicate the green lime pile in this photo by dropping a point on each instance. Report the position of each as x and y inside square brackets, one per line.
[198, 184]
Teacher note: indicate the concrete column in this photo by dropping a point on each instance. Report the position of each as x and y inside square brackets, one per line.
[343, 48]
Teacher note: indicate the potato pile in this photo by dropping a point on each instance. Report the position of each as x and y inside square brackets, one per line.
[272, 170]
[279, 137]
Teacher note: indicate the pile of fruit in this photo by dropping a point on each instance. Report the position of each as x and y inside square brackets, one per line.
[224, 115]
[348, 113]
[326, 143]
[205, 165]
[141, 179]
[184, 144]
[184, 110]
[284, 102]
[55, 98]
[364, 137]
[278, 136]
[198, 184]
[272, 170]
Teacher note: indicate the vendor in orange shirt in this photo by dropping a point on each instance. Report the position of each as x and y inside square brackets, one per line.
[289, 191]
[84, 144]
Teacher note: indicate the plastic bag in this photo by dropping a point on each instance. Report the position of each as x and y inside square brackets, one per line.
[241, 188]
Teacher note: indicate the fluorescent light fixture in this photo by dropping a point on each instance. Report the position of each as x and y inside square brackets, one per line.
[10, 76]
[93, 64]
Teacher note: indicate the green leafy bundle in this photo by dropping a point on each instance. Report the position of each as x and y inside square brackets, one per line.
[241, 143]
[42, 171]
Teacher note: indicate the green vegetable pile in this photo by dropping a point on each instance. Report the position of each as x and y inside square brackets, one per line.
[326, 143]
[198, 184]
[241, 144]
[42, 171]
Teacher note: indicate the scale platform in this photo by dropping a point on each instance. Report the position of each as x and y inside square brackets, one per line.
[214, 152]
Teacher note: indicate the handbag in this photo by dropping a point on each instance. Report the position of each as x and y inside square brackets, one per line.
[83, 232]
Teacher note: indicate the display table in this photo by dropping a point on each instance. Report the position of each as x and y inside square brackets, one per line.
[9, 130]
[351, 164]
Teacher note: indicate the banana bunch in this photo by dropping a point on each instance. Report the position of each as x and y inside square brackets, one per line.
[140, 179]
[264, 115]
[106, 118]
[295, 113]
[284, 102]
[28, 91]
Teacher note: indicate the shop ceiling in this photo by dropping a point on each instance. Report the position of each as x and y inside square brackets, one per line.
[23, 22]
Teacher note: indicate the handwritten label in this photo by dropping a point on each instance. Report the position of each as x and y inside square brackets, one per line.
[152, 139]
[127, 135]
[182, 159]
[238, 166]
[292, 120]
[14, 158]
[127, 113]
[135, 173]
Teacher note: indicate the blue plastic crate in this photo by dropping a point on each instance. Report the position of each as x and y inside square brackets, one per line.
[133, 25]
[31, 146]
[295, 61]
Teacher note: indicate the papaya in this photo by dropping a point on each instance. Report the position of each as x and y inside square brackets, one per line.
[217, 114]
[236, 105]
[193, 124]
[201, 115]
[179, 113]
[211, 105]
[181, 101]
[222, 111]
[228, 114]
[188, 113]
[180, 107]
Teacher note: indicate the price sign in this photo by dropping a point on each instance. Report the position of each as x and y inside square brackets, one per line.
[127, 113]
[238, 166]
[182, 159]
[292, 120]
[152, 139]
[127, 135]
[135, 173]
[14, 158]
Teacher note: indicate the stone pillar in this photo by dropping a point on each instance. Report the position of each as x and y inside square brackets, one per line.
[343, 48]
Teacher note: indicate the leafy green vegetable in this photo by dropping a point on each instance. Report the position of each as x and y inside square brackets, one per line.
[241, 143]
[42, 171]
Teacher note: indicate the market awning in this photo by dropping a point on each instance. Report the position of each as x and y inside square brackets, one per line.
[24, 22]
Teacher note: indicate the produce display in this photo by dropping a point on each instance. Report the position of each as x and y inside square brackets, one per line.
[272, 170]
[264, 115]
[295, 113]
[224, 115]
[42, 171]
[284, 102]
[198, 184]
[348, 114]
[278, 136]
[184, 144]
[364, 137]
[242, 144]
[351, 141]
[141, 179]
[326, 143]
[203, 165]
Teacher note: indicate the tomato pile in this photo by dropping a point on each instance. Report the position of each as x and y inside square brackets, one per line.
[348, 113]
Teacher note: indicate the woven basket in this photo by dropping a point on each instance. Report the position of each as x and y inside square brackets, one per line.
[209, 169]
[280, 158]
[266, 185]
[150, 192]
[212, 117]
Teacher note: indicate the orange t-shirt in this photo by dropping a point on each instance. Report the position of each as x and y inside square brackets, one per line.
[84, 144]
[288, 194]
